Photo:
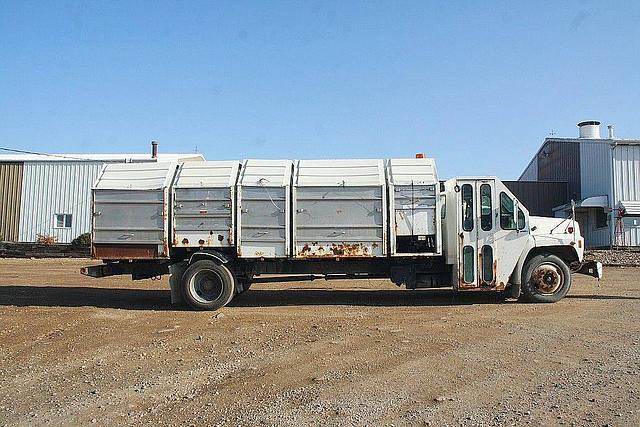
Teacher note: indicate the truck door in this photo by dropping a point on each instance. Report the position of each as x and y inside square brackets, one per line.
[476, 231]
[492, 230]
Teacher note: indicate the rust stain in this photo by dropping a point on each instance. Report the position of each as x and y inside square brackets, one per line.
[336, 250]
[105, 251]
[495, 269]
[165, 247]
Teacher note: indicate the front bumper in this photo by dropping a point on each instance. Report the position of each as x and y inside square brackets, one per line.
[591, 268]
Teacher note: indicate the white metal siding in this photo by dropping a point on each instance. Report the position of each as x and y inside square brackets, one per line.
[626, 184]
[595, 169]
[531, 171]
[51, 188]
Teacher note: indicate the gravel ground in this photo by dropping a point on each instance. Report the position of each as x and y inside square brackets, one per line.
[75, 350]
[620, 258]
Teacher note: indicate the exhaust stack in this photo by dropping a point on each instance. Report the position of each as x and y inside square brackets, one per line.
[154, 149]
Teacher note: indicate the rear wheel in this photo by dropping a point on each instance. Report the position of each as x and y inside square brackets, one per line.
[207, 285]
[545, 278]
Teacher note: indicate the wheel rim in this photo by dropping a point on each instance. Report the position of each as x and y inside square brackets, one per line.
[547, 278]
[206, 286]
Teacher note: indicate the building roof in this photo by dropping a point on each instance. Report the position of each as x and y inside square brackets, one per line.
[136, 157]
[611, 142]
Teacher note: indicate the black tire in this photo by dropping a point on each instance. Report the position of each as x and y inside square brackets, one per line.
[207, 285]
[545, 278]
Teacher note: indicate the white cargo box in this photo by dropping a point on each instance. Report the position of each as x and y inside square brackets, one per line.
[203, 204]
[263, 214]
[339, 209]
[130, 210]
[414, 197]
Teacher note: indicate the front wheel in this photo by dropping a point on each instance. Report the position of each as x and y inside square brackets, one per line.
[545, 278]
[207, 285]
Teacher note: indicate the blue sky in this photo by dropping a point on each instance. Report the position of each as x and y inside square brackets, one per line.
[475, 84]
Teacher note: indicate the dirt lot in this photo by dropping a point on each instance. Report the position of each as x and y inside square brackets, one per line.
[76, 350]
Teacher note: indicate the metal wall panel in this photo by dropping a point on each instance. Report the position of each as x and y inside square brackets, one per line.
[339, 221]
[539, 197]
[339, 208]
[414, 201]
[626, 186]
[131, 210]
[530, 173]
[264, 209]
[10, 194]
[51, 188]
[203, 204]
[560, 161]
[595, 169]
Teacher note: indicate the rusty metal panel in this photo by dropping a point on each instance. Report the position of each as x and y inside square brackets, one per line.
[263, 212]
[10, 195]
[203, 204]
[105, 251]
[130, 210]
[340, 209]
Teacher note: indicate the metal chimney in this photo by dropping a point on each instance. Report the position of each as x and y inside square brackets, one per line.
[154, 149]
[610, 132]
[589, 129]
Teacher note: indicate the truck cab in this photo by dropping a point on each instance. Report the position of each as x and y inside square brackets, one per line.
[493, 243]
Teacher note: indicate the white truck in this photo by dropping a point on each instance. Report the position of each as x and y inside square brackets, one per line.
[218, 226]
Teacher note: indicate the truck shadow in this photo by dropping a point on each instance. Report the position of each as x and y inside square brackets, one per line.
[153, 299]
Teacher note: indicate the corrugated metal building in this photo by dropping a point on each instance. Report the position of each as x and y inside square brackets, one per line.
[539, 197]
[10, 192]
[603, 178]
[50, 195]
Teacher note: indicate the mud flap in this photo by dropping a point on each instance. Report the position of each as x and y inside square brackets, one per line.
[175, 281]
[591, 268]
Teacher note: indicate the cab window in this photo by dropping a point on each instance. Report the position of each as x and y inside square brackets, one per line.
[521, 221]
[485, 207]
[507, 221]
[467, 207]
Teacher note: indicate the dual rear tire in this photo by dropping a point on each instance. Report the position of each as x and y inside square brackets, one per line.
[207, 285]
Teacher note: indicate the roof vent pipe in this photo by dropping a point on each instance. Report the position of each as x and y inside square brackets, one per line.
[154, 149]
[589, 129]
[610, 131]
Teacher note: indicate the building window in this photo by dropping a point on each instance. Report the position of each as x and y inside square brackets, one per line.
[63, 221]
[601, 218]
